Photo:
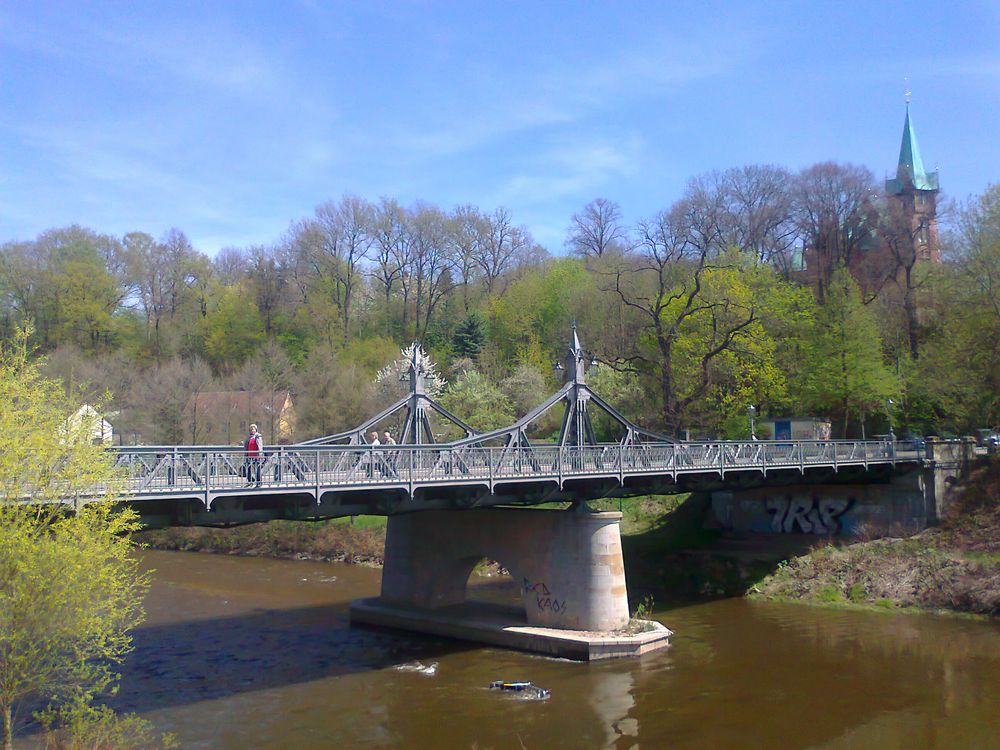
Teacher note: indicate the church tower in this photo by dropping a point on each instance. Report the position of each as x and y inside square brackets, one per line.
[916, 191]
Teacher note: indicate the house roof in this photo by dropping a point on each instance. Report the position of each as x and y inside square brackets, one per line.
[910, 170]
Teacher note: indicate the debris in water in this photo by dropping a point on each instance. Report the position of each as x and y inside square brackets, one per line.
[428, 670]
[526, 688]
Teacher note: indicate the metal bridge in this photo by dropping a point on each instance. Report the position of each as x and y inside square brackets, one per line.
[342, 474]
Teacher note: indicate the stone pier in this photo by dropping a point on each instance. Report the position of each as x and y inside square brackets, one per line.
[567, 563]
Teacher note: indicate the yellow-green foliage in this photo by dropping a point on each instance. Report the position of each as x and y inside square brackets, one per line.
[82, 726]
[69, 589]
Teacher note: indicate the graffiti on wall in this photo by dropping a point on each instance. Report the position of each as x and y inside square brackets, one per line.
[544, 599]
[808, 515]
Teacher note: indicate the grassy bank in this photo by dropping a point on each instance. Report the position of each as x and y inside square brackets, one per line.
[953, 567]
[360, 540]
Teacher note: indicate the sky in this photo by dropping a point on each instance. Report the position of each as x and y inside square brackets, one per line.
[229, 121]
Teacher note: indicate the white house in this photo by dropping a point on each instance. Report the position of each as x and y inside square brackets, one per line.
[98, 427]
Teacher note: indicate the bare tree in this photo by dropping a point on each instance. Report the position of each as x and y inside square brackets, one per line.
[346, 241]
[661, 279]
[392, 252]
[183, 262]
[230, 265]
[432, 263]
[597, 229]
[502, 243]
[149, 269]
[758, 218]
[267, 276]
[834, 210]
[466, 230]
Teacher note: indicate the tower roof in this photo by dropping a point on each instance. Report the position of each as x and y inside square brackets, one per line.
[910, 172]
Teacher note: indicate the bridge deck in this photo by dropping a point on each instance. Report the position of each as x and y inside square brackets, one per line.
[208, 473]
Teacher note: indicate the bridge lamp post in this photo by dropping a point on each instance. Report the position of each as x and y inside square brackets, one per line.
[752, 412]
[888, 410]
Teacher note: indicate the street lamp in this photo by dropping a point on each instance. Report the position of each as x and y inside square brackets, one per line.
[888, 410]
[752, 411]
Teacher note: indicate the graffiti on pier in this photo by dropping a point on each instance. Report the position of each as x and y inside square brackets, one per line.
[807, 515]
[544, 599]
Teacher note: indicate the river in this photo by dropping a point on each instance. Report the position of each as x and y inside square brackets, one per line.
[244, 652]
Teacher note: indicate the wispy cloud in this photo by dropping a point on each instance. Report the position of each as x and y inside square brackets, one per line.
[560, 94]
[571, 170]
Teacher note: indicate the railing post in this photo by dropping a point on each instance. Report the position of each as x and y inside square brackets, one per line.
[316, 475]
[172, 469]
[409, 469]
[802, 458]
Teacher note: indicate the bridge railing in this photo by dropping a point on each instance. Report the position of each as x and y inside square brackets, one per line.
[203, 469]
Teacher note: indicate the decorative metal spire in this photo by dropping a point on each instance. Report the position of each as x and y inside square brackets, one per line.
[576, 366]
[416, 372]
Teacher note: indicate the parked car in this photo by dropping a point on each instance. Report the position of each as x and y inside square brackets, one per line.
[987, 438]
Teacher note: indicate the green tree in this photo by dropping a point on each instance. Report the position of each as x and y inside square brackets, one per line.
[848, 373]
[70, 589]
[956, 382]
[478, 401]
[470, 336]
[232, 331]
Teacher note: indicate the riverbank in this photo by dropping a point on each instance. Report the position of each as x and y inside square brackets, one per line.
[358, 540]
[953, 567]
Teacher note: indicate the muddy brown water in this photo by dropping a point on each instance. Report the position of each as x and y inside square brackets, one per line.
[253, 653]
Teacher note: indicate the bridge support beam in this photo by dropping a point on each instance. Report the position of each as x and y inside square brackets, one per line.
[569, 564]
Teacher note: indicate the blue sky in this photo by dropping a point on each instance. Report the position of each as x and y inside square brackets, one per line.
[230, 120]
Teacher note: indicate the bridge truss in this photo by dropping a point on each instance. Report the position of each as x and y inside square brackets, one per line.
[343, 474]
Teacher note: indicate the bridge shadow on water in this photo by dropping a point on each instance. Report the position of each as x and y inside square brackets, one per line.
[192, 661]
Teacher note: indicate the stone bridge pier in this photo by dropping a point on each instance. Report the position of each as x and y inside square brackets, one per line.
[568, 564]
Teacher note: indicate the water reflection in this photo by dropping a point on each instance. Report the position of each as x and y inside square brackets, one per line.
[250, 653]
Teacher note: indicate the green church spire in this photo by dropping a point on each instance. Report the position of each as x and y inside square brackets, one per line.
[910, 171]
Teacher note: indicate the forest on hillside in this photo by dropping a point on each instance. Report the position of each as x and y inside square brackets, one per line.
[691, 315]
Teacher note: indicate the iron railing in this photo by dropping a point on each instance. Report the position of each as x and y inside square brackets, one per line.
[211, 470]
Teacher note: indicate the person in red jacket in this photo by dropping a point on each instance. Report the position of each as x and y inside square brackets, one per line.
[254, 446]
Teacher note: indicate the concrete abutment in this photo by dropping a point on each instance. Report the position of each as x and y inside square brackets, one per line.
[916, 495]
